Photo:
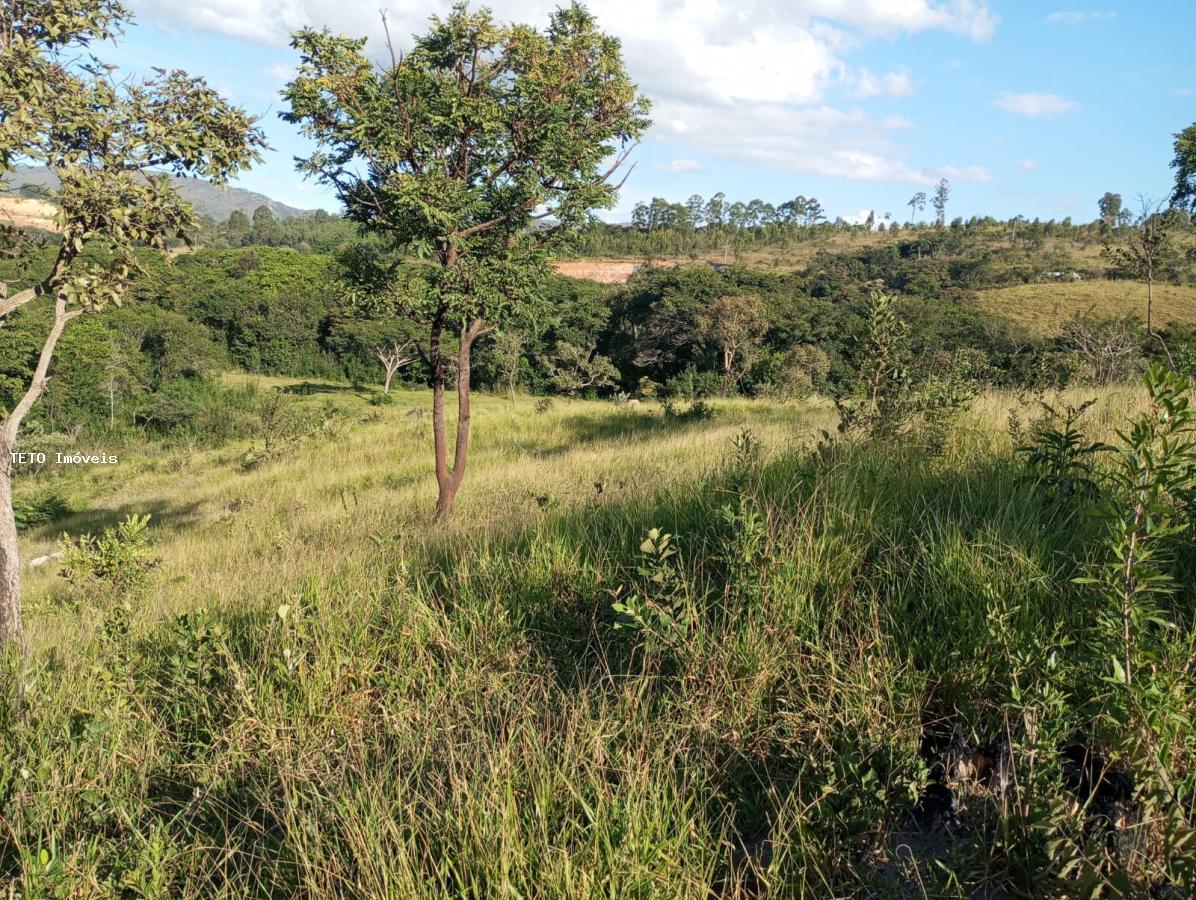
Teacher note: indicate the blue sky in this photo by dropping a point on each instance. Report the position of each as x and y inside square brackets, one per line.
[1031, 108]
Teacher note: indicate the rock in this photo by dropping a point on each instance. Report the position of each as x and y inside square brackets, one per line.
[40, 561]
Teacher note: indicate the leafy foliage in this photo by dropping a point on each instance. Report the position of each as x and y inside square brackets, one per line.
[465, 142]
[1059, 459]
[120, 559]
[42, 508]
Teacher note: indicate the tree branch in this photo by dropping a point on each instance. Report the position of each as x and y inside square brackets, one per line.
[37, 386]
[66, 253]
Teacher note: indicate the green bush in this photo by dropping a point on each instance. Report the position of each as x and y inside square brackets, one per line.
[42, 508]
[119, 560]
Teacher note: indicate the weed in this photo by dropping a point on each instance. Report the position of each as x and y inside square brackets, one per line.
[43, 508]
[658, 606]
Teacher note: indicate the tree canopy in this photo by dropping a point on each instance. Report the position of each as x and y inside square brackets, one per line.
[474, 150]
[1184, 195]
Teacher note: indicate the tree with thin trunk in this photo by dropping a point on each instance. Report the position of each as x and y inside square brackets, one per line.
[942, 193]
[735, 325]
[916, 204]
[1110, 211]
[1149, 249]
[112, 143]
[1184, 163]
[509, 344]
[393, 358]
[120, 374]
[464, 149]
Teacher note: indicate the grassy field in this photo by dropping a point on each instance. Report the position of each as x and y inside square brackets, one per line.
[374, 707]
[1043, 308]
[334, 498]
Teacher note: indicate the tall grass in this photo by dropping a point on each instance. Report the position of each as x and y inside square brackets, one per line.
[367, 709]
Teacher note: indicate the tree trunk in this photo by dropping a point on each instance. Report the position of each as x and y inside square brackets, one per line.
[1149, 302]
[10, 560]
[728, 362]
[449, 481]
[390, 373]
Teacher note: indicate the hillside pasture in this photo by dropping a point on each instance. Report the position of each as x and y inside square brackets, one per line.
[322, 504]
[1043, 308]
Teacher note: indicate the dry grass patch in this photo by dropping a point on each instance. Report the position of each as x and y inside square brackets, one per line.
[1043, 308]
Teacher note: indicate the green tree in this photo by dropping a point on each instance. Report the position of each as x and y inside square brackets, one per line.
[112, 143]
[942, 193]
[508, 349]
[575, 370]
[1110, 210]
[735, 325]
[916, 204]
[1184, 195]
[1149, 249]
[456, 149]
[237, 222]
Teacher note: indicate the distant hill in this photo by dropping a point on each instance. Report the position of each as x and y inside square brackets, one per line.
[207, 199]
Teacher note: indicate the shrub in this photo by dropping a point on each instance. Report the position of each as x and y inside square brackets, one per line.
[693, 384]
[44, 507]
[658, 606]
[1058, 458]
[698, 411]
[120, 560]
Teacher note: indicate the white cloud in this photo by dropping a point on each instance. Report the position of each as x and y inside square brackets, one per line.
[720, 22]
[1074, 17]
[681, 166]
[1183, 92]
[754, 80]
[1027, 165]
[279, 73]
[971, 173]
[1032, 104]
[971, 18]
[891, 84]
[820, 140]
[862, 216]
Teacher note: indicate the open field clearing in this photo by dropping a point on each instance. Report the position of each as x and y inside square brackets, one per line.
[365, 498]
[443, 513]
[362, 709]
[1043, 308]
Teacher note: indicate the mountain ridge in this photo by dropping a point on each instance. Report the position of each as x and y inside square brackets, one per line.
[208, 200]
